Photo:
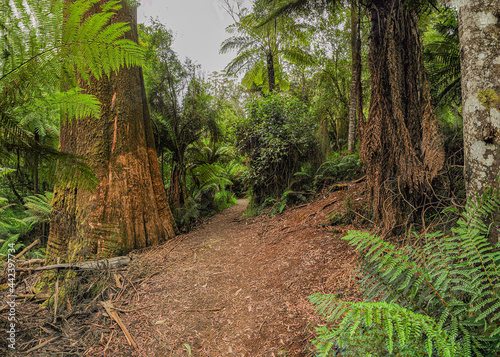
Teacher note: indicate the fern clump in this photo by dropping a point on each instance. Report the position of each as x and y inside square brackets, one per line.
[441, 299]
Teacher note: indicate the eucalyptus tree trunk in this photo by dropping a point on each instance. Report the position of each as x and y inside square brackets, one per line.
[129, 208]
[401, 147]
[479, 27]
[355, 79]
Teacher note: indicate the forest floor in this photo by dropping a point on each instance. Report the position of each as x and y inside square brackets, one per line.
[234, 286]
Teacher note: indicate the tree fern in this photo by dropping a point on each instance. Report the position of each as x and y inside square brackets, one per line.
[38, 208]
[43, 56]
[446, 292]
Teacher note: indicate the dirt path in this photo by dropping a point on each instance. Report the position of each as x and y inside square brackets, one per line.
[231, 287]
[239, 287]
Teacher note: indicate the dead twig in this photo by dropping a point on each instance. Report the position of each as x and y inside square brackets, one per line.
[110, 309]
[31, 262]
[109, 341]
[204, 310]
[42, 344]
[260, 327]
[132, 310]
[56, 297]
[36, 242]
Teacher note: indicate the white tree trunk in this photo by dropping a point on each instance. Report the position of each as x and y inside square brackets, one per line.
[479, 26]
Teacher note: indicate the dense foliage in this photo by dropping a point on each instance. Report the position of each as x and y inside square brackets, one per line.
[437, 299]
[278, 137]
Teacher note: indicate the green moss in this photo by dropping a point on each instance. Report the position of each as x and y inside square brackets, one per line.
[489, 98]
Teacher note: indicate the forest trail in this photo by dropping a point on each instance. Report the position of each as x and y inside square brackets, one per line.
[239, 287]
[233, 286]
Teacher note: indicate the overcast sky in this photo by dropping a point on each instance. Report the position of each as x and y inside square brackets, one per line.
[198, 27]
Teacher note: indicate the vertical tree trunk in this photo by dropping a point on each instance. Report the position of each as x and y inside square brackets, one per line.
[177, 192]
[129, 208]
[359, 85]
[401, 147]
[353, 101]
[270, 72]
[36, 164]
[479, 26]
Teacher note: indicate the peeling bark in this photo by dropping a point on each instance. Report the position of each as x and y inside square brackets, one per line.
[479, 28]
[129, 208]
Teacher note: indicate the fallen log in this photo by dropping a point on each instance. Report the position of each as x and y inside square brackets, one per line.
[110, 263]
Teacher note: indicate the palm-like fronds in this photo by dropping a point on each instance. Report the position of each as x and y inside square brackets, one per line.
[38, 208]
[42, 57]
[442, 59]
[282, 40]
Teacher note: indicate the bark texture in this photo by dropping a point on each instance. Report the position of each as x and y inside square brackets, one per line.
[177, 192]
[401, 146]
[356, 77]
[479, 26]
[129, 208]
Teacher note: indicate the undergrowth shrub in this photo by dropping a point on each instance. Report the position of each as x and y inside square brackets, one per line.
[344, 168]
[440, 299]
[278, 138]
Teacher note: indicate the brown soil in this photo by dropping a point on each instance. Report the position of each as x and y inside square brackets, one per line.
[233, 286]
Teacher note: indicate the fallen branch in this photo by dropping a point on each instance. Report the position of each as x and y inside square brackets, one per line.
[31, 262]
[111, 310]
[36, 242]
[91, 265]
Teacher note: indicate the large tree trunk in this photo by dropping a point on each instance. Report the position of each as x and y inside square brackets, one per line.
[356, 64]
[129, 208]
[401, 148]
[479, 26]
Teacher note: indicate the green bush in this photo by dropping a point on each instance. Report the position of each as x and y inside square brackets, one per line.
[278, 137]
[441, 299]
[344, 168]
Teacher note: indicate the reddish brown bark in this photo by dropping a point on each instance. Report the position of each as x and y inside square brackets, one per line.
[129, 208]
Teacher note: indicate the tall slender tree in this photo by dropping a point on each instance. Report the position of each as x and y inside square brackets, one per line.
[129, 208]
[356, 98]
[479, 25]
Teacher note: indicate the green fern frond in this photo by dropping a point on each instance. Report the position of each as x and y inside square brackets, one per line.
[450, 285]
[38, 208]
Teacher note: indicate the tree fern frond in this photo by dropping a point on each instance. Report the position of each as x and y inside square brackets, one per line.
[452, 282]
[401, 326]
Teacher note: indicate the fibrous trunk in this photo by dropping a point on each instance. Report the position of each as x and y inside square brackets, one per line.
[479, 26]
[129, 208]
[401, 147]
[176, 192]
